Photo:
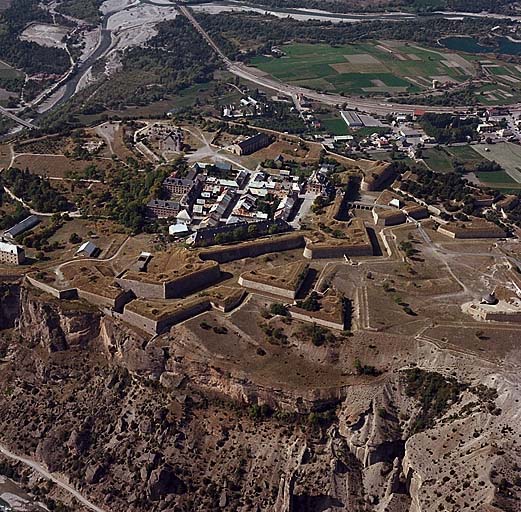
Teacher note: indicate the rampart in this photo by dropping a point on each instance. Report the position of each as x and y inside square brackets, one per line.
[305, 316]
[116, 302]
[173, 288]
[332, 251]
[254, 249]
[67, 294]
[157, 324]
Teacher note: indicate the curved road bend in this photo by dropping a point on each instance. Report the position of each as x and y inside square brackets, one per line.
[49, 476]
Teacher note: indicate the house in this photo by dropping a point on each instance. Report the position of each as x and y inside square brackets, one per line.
[183, 217]
[178, 229]
[88, 249]
[10, 253]
[486, 128]
[285, 207]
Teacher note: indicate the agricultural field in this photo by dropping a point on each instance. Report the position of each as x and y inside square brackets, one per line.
[389, 68]
[444, 159]
[335, 126]
[465, 155]
[438, 160]
[379, 67]
[505, 154]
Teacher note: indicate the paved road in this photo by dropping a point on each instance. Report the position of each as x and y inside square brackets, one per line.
[374, 106]
[15, 118]
[49, 476]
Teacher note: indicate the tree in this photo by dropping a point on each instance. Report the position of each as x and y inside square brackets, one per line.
[75, 238]
[279, 309]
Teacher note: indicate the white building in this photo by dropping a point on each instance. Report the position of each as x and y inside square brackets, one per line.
[10, 253]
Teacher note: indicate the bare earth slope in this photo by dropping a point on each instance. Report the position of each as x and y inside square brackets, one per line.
[139, 426]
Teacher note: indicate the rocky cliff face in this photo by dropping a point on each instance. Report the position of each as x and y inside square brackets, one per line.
[55, 326]
[137, 427]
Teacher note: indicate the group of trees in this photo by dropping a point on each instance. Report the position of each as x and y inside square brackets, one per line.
[129, 194]
[449, 128]
[434, 393]
[465, 96]
[262, 32]
[498, 6]
[31, 57]
[435, 187]
[243, 233]
[34, 190]
[87, 10]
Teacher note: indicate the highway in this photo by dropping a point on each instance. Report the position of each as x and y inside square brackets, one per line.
[374, 106]
[10, 115]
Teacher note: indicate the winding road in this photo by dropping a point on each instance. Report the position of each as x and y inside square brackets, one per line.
[50, 476]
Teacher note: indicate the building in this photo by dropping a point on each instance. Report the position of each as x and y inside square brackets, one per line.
[10, 253]
[177, 186]
[23, 226]
[415, 211]
[88, 249]
[285, 207]
[172, 141]
[161, 209]
[319, 183]
[178, 229]
[251, 144]
[352, 119]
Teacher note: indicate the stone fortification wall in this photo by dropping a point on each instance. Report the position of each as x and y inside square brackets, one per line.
[70, 293]
[152, 326]
[323, 251]
[117, 303]
[253, 249]
[175, 288]
[267, 288]
[307, 317]
[191, 282]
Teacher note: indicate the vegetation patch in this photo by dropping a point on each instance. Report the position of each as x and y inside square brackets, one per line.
[435, 394]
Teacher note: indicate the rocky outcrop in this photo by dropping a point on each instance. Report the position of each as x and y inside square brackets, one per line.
[141, 424]
[9, 304]
[56, 326]
[128, 348]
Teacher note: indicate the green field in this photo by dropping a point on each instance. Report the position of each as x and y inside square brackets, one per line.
[335, 126]
[387, 68]
[368, 68]
[465, 154]
[438, 160]
[495, 177]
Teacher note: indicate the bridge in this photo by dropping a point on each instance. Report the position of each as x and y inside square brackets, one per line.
[16, 119]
